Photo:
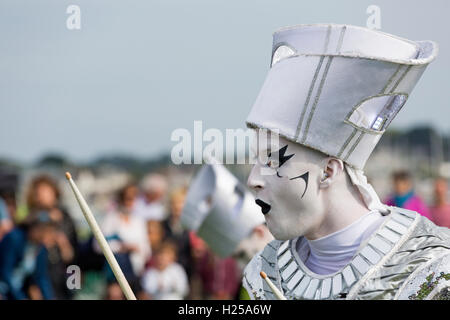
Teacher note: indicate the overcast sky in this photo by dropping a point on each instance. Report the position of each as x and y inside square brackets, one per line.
[137, 70]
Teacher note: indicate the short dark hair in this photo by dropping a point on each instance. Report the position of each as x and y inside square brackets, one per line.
[168, 245]
[38, 180]
[120, 196]
[401, 175]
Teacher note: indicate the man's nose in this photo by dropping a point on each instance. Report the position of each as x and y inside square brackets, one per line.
[255, 180]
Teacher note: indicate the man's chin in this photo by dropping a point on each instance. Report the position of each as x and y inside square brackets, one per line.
[281, 234]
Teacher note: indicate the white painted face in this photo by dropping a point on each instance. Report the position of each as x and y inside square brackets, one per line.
[287, 188]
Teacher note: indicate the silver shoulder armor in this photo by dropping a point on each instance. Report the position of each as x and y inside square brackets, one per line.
[424, 251]
[265, 261]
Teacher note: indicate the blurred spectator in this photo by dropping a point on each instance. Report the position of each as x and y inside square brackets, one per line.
[6, 223]
[220, 277]
[175, 232]
[404, 196]
[24, 259]
[44, 196]
[8, 189]
[151, 205]
[440, 211]
[156, 233]
[92, 264]
[198, 250]
[8, 205]
[166, 280]
[114, 292]
[127, 237]
[156, 236]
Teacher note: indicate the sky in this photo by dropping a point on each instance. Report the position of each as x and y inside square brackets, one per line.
[138, 70]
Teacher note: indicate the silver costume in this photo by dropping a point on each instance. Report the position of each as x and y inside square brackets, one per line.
[335, 89]
[407, 257]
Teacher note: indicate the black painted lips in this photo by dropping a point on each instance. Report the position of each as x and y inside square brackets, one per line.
[265, 207]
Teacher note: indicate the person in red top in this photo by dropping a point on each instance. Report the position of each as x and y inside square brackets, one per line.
[219, 277]
[440, 211]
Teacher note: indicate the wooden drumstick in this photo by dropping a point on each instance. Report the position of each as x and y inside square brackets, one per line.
[275, 290]
[123, 283]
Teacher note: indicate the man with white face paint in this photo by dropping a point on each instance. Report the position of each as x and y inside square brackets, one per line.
[330, 94]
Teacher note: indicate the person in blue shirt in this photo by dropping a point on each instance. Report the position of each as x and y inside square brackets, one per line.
[23, 260]
[6, 223]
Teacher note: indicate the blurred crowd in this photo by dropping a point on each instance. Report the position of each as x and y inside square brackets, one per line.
[159, 258]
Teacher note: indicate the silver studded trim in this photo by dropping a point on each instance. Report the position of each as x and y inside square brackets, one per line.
[298, 282]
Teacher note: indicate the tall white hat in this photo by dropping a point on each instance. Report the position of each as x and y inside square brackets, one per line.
[336, 88]
[220, 209]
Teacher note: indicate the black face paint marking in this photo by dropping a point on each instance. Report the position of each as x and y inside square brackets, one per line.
[305, 177]
[265, 207]
[281, 157]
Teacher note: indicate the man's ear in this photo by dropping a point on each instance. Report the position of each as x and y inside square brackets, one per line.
[332, 171]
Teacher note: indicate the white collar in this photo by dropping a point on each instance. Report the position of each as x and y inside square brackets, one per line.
[346, 239]
[330, 253]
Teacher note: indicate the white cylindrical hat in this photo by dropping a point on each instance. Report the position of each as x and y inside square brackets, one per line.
[220, 209]
[336, 88]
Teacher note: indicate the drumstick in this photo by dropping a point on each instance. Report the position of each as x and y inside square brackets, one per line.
[275, 290]
[123, 283]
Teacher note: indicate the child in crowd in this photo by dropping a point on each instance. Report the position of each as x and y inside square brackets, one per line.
[166, 279]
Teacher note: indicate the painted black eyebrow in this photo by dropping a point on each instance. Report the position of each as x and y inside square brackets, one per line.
[282, 158]
[305, 177]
